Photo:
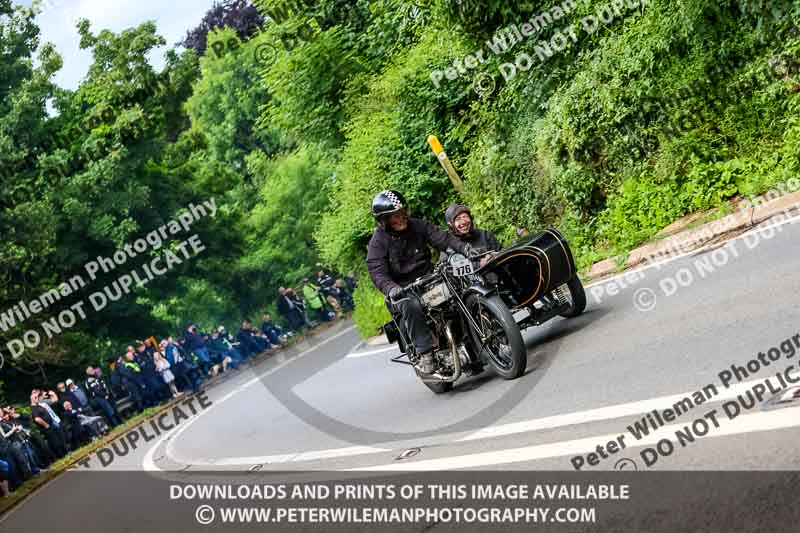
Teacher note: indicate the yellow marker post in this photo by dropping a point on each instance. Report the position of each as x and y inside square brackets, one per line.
[438, 149]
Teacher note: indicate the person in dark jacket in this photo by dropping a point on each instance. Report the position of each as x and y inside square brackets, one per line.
[194, 342]
[301, 306]
[152, 379]
[459, 220]
[324, 281]
[149, 348]
[351, 281]
[248, 342]
[131, 377]
[398, 254]
[273, 332]
[227, 354]
[9, 470]
[289, 309]
[185, 370]
[48, 422]
[343, 296]
[77, 434]
[100, 395]
[42, 450]
[18, 448]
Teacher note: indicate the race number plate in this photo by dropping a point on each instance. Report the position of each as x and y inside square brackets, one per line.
[436, 295]
[462, 267]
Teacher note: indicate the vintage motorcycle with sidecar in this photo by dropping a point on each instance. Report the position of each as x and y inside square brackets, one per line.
[471, 310]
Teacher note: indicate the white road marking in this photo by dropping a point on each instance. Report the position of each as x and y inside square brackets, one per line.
[610, 412]
[604, 413]
[334, 453]
[371, 352]
[762, 421]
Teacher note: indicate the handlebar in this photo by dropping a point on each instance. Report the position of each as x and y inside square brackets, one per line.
[430, 277]
[417, 283]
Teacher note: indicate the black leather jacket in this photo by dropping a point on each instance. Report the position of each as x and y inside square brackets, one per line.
[481, 240]
[397, 259]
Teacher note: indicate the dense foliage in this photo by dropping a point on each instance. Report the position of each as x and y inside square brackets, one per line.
[239, 15]
[608, 130]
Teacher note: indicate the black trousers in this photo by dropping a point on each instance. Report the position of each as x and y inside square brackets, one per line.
[42, 449]
[412, 320]
[24, 467]
[108, 410]
[55, 438]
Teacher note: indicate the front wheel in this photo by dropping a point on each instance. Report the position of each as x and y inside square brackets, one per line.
[497, 338]
[577, 296]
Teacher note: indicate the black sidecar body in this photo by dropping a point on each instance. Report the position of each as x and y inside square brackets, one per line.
[537, 273]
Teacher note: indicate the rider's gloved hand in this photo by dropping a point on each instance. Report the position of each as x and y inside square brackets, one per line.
[469, 250]
[394, 293]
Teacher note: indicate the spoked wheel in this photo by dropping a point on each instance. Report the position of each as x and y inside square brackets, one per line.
[577, 297]
[498, 339]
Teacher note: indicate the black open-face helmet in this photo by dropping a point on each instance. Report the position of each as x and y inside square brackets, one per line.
[452, 213]
[387, 202]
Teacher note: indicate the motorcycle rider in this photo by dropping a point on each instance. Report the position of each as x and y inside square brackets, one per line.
[397, 255]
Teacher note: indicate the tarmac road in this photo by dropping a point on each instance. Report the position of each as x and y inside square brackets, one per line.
[647, 341]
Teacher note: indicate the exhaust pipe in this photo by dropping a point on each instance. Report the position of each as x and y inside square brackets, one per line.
[456, 361]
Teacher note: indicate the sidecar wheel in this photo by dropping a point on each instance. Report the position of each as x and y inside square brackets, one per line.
[505, 352]
[441, 387]
[578, 297]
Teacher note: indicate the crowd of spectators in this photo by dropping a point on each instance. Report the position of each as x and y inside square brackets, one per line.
[320, 300]
[147, 374]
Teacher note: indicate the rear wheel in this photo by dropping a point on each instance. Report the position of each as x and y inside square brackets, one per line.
[498, 339]
[577, 296]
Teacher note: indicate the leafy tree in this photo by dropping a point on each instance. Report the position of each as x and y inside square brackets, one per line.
[239, 15]
[225, 103]
[292, 198]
